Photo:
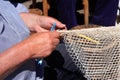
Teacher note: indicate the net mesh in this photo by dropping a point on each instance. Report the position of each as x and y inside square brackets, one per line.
[95, 51]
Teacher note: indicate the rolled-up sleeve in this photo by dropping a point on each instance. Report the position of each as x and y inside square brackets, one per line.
[12, 31]
[12, 27]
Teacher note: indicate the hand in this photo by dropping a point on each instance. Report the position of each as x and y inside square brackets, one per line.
[40, 23]
[43, 43]
[37, 45]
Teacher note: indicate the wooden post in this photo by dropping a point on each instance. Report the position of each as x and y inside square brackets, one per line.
[45, 7]
[86, 12]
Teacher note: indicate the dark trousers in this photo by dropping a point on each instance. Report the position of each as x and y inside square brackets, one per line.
[59, 66]
[66, 11]
[105, 12]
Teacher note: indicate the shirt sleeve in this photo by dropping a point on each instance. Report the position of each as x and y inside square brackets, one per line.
[21, 8]
[12, 27]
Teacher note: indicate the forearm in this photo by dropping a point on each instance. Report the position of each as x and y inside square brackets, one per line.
[32, 47]
[13, 57]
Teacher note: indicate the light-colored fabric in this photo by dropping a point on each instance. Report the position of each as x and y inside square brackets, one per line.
[119, 4]
[12, 31]
[39, 78]
[21, 8]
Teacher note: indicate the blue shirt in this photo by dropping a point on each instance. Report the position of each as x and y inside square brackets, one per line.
[12, 31]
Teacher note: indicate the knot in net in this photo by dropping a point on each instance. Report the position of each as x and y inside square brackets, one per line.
[95, 51]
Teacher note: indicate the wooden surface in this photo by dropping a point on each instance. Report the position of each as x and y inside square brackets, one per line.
[45, 6]
[86, 12]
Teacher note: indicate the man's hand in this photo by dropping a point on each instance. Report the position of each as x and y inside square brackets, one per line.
[39, 23]
[38, 45]
[41, 44]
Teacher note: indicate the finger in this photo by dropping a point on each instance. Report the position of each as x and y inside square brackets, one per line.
[55, 34]
[56, 42]
[40, 29]
[59, 25]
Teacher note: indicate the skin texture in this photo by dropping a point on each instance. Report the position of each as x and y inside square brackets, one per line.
[38, 45]
[40, 23]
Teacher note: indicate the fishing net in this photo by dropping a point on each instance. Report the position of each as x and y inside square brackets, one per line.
[95, 51]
